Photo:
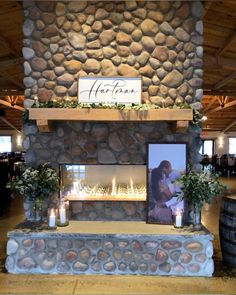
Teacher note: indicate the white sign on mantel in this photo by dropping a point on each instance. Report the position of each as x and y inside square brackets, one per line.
[109, 90]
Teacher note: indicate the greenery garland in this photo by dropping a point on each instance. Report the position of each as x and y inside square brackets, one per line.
[197, 116]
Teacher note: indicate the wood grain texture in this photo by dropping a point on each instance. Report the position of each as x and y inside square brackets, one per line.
[110, 114]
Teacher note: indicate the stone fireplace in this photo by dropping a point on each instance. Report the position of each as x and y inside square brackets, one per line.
[159, 41]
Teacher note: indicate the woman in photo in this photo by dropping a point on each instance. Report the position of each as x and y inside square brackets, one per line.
[160, 194]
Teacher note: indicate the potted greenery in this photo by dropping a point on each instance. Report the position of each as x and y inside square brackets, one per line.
[36, 185]
[199, 188]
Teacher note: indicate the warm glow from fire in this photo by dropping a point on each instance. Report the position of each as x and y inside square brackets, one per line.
[115, 190]
[131, 186]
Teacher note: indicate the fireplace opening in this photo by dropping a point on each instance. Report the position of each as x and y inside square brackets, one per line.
[103, 182]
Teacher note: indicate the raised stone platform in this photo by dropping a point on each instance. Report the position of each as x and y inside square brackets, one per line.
[119, 248]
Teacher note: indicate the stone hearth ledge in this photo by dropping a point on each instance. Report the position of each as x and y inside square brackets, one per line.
[121, 248]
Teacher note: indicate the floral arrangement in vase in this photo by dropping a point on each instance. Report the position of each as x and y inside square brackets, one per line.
[35, 184]
[199, 188]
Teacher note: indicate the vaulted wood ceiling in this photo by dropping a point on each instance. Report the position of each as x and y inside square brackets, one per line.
[219, 64]
[11, 64]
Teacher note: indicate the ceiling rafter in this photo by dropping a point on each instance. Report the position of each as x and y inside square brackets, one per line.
[227, 105]
[7, 104]
[220, 62]
[225, 81]
[213, 100]
[226, 45]
[11, 62]
[229, 126]
[206, 7]
[6, 43]
[222, 100]
[208, 91]
[4, 92]
[13, 80]
[7, 122]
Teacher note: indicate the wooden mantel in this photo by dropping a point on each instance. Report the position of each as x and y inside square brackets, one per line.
[44, 116]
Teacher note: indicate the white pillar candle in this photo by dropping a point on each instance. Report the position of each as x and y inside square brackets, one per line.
[52, 219]
[178, 219]
[62, 214]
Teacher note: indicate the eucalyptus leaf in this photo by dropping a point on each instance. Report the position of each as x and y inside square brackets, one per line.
[40, 182]
[200, 187]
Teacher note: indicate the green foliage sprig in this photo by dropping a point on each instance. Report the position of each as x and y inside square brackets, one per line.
[78, 105]
[36, 183]
[200, 187]
[197, 116]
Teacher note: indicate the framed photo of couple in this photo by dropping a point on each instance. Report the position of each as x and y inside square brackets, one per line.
[165, 164]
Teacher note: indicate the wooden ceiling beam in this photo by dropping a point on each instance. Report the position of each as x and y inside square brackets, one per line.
[213, 100]
[226, 45]
[5, 92]
[229, 126]
[225, 81]
[206, 7]
[9, 124]
[13, 80]
[212, 117]
[223, 62]
[208, 91]
[227, 105]
[4, 42]
[7, 104]
[11, 62]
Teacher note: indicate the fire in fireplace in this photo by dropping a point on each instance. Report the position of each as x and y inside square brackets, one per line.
[103, 182]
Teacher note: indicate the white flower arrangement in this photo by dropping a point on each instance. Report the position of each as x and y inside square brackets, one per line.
[36, 183]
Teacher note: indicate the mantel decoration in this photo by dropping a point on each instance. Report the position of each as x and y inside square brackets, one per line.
[199, 188]
[36, 185]
[66, 102]
[124, 90]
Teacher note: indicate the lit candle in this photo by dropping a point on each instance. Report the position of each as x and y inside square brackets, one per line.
[36, 100]
[178, 219]
[62, 214]
[52, 219]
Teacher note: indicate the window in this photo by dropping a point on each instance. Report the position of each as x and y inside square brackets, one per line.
[207, 147]
[232, 145]
[5, 144]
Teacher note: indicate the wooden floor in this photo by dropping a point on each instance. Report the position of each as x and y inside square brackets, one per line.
[223, 281]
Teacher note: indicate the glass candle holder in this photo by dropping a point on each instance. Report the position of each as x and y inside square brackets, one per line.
[62, 215]
[178, 219]
[52, 218]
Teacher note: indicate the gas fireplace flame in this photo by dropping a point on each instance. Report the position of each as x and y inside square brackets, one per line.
[113, 186]
[131, 186]
[114, 190]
